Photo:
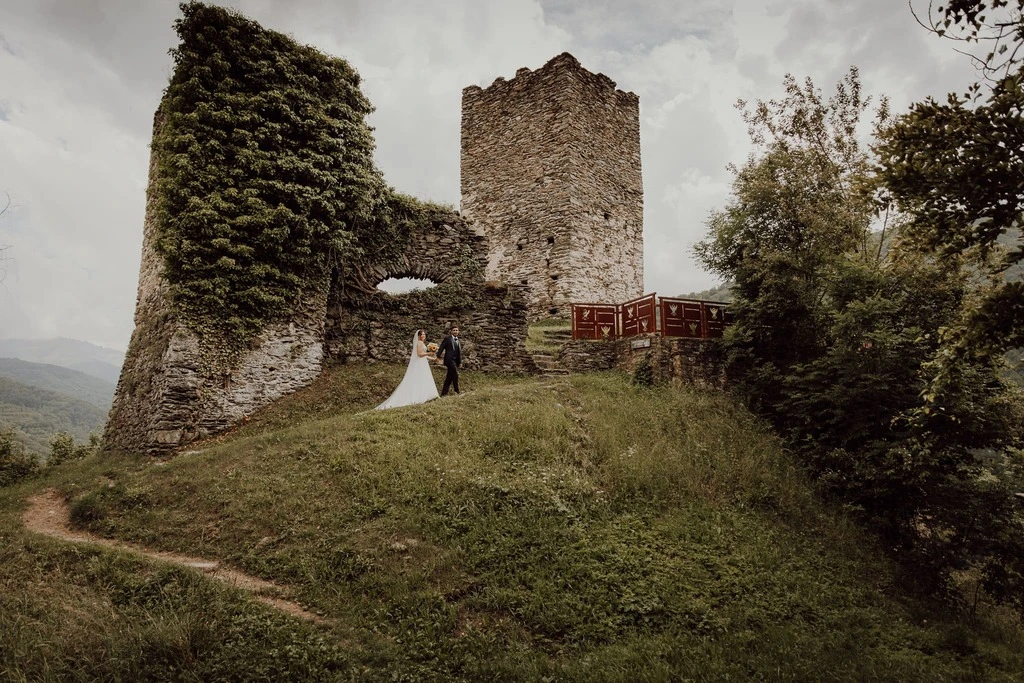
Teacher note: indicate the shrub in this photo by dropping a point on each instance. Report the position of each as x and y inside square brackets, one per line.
[15, 464]
[63, 448]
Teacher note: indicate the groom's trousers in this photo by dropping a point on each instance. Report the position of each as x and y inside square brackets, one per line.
[451, 379]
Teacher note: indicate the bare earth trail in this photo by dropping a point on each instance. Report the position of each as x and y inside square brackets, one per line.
[47, 514]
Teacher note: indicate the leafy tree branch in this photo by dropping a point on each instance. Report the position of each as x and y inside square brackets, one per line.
[994, 25]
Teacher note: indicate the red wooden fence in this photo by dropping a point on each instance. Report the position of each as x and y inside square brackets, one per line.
[691, 318]
[639, 316]
[650, 314]
[594, 321]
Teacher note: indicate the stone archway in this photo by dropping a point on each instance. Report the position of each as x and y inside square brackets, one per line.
[397, 286]
[364, 323]
[167, 397]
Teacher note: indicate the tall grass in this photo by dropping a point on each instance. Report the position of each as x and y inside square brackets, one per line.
[73, 613]
[580, 529]
[537, 339]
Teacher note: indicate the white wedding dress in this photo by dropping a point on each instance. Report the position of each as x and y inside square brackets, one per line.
[418, 384]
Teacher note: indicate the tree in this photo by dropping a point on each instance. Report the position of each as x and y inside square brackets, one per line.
[956, 168]
[993, 25]
[15, 464]
[836, 317]
[795, 215]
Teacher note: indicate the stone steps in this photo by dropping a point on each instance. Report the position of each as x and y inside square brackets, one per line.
[548, 365]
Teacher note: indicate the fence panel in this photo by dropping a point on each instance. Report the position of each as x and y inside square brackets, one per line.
[639, 316]
[668, 316]
[682, 318]
[692, 318]
[594, 321]
[714, 319]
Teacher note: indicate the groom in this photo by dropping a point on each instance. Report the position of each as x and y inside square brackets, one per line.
[451, 352]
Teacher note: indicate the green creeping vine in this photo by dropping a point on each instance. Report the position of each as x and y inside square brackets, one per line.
[265, 176]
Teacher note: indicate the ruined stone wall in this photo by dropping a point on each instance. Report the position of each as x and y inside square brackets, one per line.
[695, 362]
[376, 326]
[673, 360]
[167, 395]
[176, 385]
[586, 355]
[551, 175]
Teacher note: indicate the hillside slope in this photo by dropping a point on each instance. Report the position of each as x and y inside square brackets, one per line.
[71, 383]
[37, 414]
[571, 529]
[75, 354]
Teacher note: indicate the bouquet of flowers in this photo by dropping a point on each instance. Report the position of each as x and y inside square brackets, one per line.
[432, 347]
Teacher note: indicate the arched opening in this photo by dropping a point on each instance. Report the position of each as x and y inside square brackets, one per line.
[404, 285]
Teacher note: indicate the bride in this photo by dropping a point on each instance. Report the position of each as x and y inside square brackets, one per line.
[418, 384]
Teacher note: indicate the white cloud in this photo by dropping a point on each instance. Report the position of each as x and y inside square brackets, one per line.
[79, 82]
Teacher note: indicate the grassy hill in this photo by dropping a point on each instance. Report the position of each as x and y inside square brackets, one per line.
[75, 354]
[61, 380]
[570, 529]
[37, 414]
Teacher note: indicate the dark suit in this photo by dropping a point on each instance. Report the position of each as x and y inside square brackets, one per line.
[451, 351]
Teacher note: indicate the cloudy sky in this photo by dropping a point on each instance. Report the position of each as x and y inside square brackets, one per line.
[80, 79]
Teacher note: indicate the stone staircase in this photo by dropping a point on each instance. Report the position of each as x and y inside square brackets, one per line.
[557, 335]
[549, 366]
[547, 360]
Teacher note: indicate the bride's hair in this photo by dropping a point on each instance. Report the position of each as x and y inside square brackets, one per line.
[419, 332]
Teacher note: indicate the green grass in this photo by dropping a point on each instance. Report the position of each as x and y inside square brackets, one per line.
[578, 529]
[537, 340]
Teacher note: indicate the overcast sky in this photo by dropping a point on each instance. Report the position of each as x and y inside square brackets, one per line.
[80, 79]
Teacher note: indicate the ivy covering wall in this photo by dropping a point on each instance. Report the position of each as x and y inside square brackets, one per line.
[265, 173]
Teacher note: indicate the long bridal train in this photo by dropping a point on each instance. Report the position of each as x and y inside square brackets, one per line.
[418, 384]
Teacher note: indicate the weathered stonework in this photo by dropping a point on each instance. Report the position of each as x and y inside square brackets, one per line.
[673, 360]
[375, 325]
[166, 396]
[551, 181]
[693, 362]
[551, 175]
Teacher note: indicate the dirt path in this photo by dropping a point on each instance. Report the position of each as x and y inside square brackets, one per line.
[47, 514]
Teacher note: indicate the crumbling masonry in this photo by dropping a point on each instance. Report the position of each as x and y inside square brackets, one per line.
[552, 213]
[551, 175]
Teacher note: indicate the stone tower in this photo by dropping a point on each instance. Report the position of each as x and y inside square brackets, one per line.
[551, 175]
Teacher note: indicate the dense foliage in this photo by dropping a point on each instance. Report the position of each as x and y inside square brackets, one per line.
[838, 318]
[264, 171]
[956, 169]
[37, 414]
[15, 464]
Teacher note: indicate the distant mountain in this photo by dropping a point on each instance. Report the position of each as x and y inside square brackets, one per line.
[71, 383]
[37, 414]
[97, 361]
[108, 372]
